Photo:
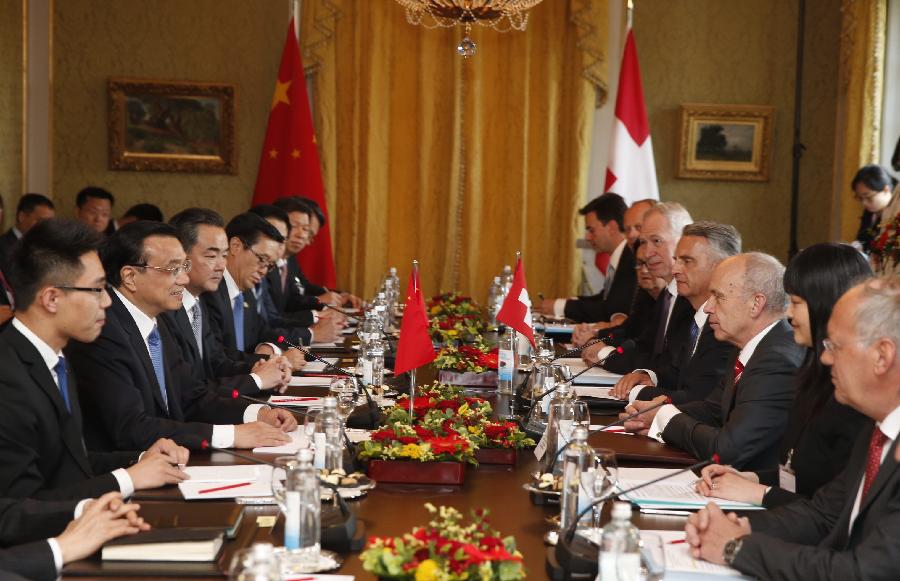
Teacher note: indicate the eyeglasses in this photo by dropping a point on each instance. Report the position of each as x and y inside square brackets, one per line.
[866, 197]
[641, 265]
[175, 271]
[84, 289]
[830, 345]
[263, 260]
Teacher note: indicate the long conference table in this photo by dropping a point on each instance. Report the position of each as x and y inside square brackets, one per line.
[394, 509]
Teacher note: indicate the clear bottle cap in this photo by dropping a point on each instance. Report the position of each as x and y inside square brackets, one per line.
[263, 550]
[621, 511]
[305, 455]
[329, 402]
[580, 434]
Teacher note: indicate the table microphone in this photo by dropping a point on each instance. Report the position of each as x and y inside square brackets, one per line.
[236, 395]
[572, 560]
[283, 341]
[374, 410]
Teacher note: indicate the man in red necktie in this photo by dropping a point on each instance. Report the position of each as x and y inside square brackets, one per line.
[849, 529]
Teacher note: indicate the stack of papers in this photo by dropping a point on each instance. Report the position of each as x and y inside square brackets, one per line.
[216, 482]
[678, 492]
[310, 381]
[555, 328]
[298, 440]
[325, 344]
[594, 391]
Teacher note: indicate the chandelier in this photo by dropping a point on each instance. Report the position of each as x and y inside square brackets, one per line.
[501, 15]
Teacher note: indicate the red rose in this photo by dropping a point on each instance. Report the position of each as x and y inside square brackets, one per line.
[422, 432]
[496, 432]
[448, 404]
[408, 439]
[382, 435]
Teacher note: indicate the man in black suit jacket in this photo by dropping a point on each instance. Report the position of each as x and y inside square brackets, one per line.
[744, 419]
[324, 327]
[133, 381]
[253, 247]
[31, 209]
[38, 538]
[202, 234]
[604, 217]
[849, 528]
[696, 362]
[41, 446]
[660, 233]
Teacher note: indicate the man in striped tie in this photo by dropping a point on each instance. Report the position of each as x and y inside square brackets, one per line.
[849, 529]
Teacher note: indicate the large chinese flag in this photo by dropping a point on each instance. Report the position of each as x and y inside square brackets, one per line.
[631, 172]
[516, 309]
[414, 348]
[289, 164]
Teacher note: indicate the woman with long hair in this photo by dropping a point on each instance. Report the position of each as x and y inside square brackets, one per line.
[817, 444]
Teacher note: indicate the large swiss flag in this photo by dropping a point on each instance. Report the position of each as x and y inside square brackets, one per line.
[631, 172]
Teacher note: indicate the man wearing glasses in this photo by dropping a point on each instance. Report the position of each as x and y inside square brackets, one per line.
[63, 298]
[134, 382]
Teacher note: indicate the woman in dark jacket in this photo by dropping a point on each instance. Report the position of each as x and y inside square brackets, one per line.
[821, 433]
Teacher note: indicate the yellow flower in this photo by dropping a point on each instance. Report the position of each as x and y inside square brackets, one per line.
[453, 332]
[413, 451]
[427, 571]
[435, 310]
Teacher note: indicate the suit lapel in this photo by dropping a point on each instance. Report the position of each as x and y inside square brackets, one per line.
[227, 314]
[138, 346]
[728, 394]
[187, 332]
[69, 424]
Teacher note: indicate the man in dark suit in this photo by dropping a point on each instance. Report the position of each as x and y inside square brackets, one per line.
[62, 299]
[93, 206]
[38, 538]
[134, 383]
[849, 528]
[744, 419]
[32, 208]
[323, 327]
[604, 217]
[202, 234]
[253, 247]
[660, 233]
[694, 364]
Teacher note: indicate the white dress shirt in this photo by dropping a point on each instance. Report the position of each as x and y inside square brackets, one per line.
[222, 435]
[669, 411]
[890, 427]
[559, 305]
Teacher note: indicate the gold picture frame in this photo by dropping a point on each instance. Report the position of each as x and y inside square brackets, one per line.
[173, 126]
[725, 142]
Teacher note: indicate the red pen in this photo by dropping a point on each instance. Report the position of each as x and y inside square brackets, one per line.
[287, 399]
[677, 541]
[227, 487]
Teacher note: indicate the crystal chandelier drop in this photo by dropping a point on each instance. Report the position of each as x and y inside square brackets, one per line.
[501, 15]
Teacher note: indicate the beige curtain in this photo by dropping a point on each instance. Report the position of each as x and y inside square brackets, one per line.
[457, 163]
[863, 28]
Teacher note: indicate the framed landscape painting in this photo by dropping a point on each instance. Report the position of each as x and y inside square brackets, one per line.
[171, 126]
[725, 142]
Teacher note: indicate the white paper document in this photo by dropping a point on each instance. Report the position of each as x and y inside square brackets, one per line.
[325, 344]
[222, 473]
[676, 495]
[597, 376]
[314, 577]
[681, 566]
[310, 381]
[595, 392]
[298, 440]
[319, 366]
[257, 483]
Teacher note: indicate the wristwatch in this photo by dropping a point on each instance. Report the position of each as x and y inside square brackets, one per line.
[731, 549]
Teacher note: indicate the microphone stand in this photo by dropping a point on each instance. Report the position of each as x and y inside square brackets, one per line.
[575, 351]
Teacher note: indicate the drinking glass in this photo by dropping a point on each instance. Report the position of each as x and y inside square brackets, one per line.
[602, 479]
[283, 466]
[345, 391]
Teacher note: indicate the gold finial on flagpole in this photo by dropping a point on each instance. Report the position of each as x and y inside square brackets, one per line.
[629, 13]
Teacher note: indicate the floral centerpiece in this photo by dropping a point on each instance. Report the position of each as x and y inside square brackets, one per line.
[448, 426]
[446, 549]
[455, 318]
[885, 248]
[468, 365]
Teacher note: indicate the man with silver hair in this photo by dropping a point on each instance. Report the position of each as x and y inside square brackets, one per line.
[743, 420]
[660, 233]
[849, 528]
